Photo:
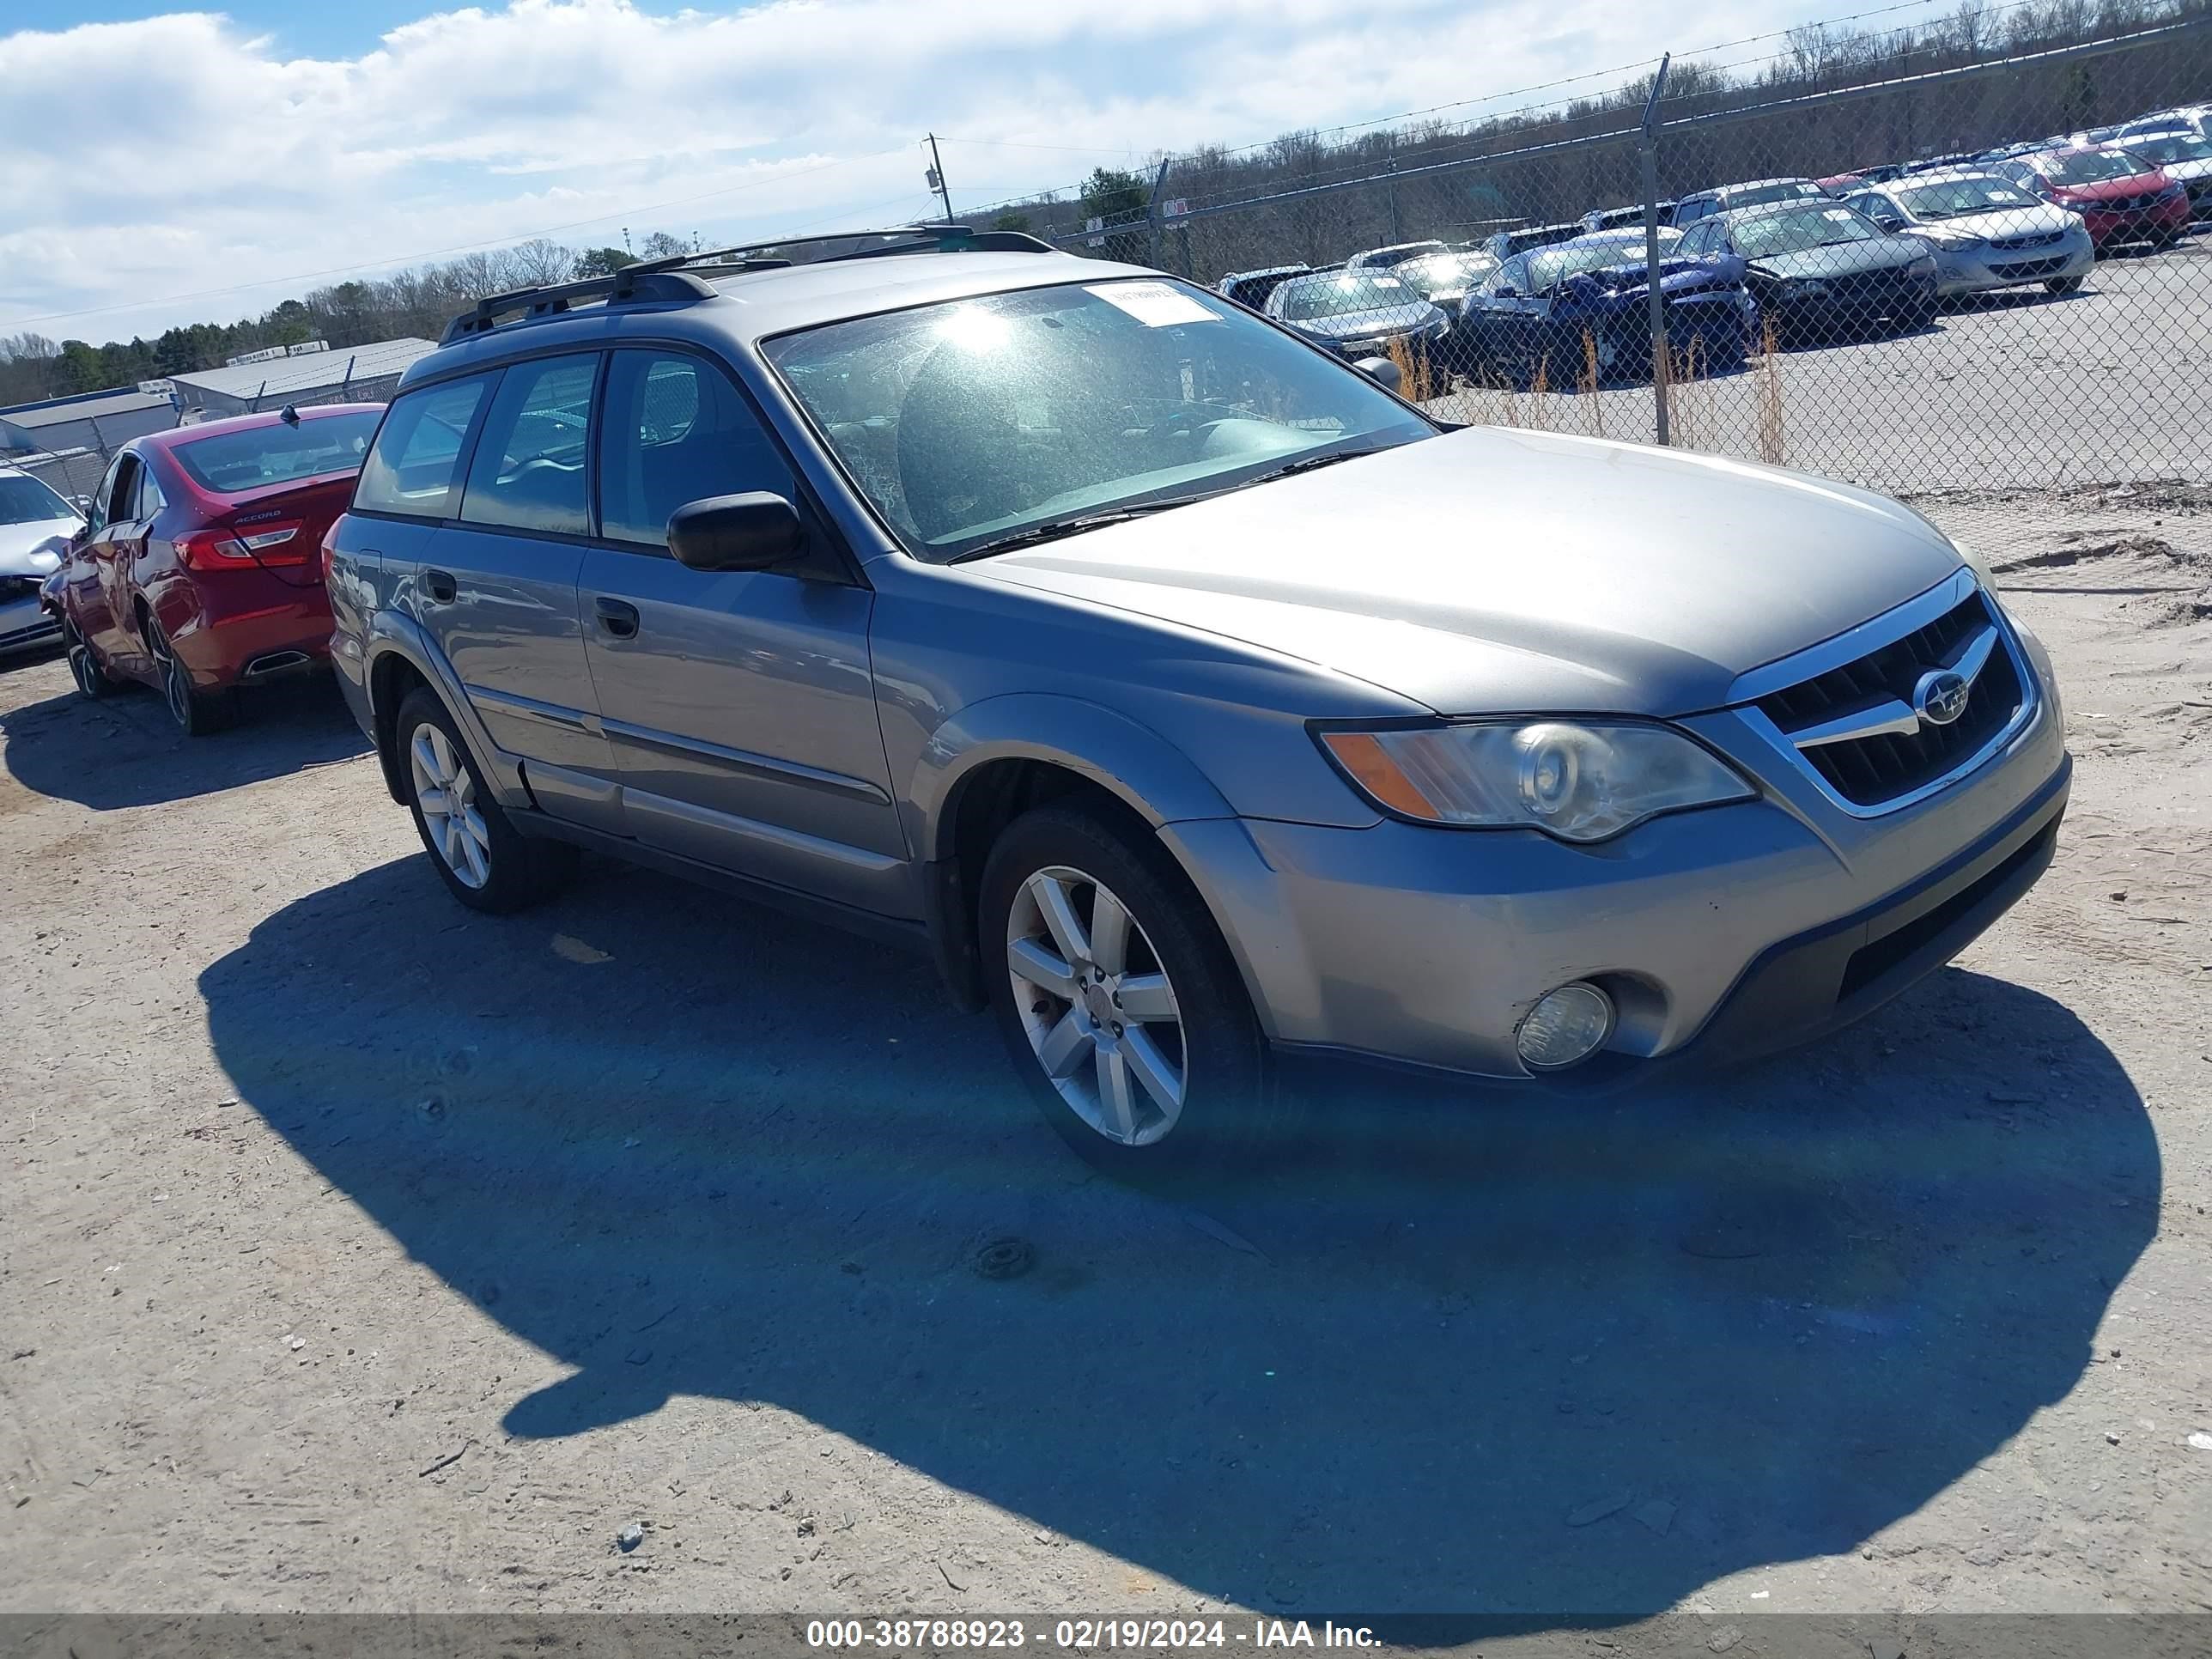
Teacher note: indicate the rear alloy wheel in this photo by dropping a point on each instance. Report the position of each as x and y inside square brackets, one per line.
[92, 680]
[484, 860]
[195, 713]
[1118, 1001]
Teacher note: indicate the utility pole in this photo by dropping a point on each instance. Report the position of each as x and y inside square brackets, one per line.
[1647, 143]
[936, 178]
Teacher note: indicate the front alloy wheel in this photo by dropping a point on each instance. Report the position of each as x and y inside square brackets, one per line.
[445, 790]
[1098, 1008]
[1119, 1001]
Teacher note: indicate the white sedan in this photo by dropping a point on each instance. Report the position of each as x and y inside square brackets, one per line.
[1987, 233]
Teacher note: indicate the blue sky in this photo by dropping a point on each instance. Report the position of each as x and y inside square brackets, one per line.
[159, 165]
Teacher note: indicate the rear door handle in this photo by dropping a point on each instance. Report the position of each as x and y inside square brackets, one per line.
[441, 585]
[617, 617]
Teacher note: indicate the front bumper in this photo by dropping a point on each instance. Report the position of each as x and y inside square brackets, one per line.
[24, 626]
[2108, 228]
[1719, 934]
[1983, 270]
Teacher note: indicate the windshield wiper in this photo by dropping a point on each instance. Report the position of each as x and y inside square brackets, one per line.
[1307, 464]
[1073, 525]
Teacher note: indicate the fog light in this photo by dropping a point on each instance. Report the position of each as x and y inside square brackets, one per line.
[1566, 1026]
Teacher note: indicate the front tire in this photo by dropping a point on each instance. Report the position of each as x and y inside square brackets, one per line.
[1119, 1003]
[484, 860]
[85, 669]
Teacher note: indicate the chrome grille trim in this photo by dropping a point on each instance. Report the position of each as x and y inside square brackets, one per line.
[1865, 641]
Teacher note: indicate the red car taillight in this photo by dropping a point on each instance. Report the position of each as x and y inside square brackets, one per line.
[218, 550]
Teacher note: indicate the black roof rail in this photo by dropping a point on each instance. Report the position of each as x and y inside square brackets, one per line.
[681, 276]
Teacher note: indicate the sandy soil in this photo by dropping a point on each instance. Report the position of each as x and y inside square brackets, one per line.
[363, 1253]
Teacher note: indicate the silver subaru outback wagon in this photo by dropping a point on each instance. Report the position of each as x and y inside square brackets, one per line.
[1196, 702]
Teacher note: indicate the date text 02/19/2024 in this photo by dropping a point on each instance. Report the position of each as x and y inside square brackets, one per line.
[1080, 1635]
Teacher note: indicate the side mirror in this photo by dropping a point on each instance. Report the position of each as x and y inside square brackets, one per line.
[755, 530]
[1380, 369]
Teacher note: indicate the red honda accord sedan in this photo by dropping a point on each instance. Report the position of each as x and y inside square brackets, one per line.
[200, 567]
[2121, 198]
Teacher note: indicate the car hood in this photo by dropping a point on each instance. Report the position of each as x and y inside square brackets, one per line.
[36, 548]
[1498, 571]
[1401, 318]
[2112, 190]
[1844, 258]
[2004, 221]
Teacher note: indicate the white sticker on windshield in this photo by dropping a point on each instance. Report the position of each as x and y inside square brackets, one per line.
[1156, 305]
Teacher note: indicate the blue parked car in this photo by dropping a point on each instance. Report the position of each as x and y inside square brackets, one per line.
[1550, 309]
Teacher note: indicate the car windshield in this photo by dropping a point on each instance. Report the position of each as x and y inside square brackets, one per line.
[1444, 273]
[2168, 147]
[230, 462]
[26, 500]
[974, 422]
[1552, 266]
[1949, 197]
[2091, 167]
[1797, 230]
[1399, 255]
[1759, 195]
[1340, 295]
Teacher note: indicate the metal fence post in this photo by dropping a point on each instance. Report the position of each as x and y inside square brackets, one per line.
[1152, 213]
[1648, 144]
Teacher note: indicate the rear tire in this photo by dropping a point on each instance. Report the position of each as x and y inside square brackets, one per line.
[483, 860]
[90, 674]
[1119, 1003]
[197, 713]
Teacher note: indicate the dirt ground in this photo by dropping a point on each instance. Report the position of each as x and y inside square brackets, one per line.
[363, 1253]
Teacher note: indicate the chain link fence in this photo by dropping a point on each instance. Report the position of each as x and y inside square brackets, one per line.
[1942, 257]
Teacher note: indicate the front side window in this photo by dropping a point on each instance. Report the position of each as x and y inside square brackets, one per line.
[973, 422]
[280, 452]
[677, 430]
[121, 502]
[411, 466]
[528, 470]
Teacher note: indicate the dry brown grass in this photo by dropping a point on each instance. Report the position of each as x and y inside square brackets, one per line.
[1773, 447]
[1415, 379]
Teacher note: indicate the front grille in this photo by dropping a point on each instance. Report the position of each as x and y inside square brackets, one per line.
[2032, 267]
[1870, 771]
[2013, 244]
[18, 587]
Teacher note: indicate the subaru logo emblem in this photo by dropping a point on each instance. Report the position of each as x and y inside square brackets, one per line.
[1940, 696]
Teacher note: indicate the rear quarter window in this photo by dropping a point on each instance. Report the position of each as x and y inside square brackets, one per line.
[413, 466]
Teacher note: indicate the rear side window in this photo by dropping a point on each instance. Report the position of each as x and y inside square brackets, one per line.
[528, 470]
[410, 466]
[677, 431]
[150, 498]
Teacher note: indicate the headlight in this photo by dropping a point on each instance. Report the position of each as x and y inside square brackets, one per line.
[1580, 783]
[1956, 241]
[1979, 566]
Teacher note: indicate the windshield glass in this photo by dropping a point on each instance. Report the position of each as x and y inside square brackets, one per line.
[2091, 167]
[26, 500]
[1447, 273]
[1794, 230]
[2170, 147]
[1400, 254]
[969, 423]
[1552, 266]
[1949, 197]
[229, 462]
[1339, 295]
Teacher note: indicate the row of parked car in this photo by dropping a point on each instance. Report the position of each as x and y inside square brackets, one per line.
[1879, 248]
[995, 602]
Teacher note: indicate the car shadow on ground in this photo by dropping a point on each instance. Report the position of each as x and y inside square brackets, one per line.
[124, 751]
[1464, 1354]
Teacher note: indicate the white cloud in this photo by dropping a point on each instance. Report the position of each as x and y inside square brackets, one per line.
[143, 164]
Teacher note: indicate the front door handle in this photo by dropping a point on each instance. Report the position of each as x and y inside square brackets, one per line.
[617, 617]
[441, 586]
